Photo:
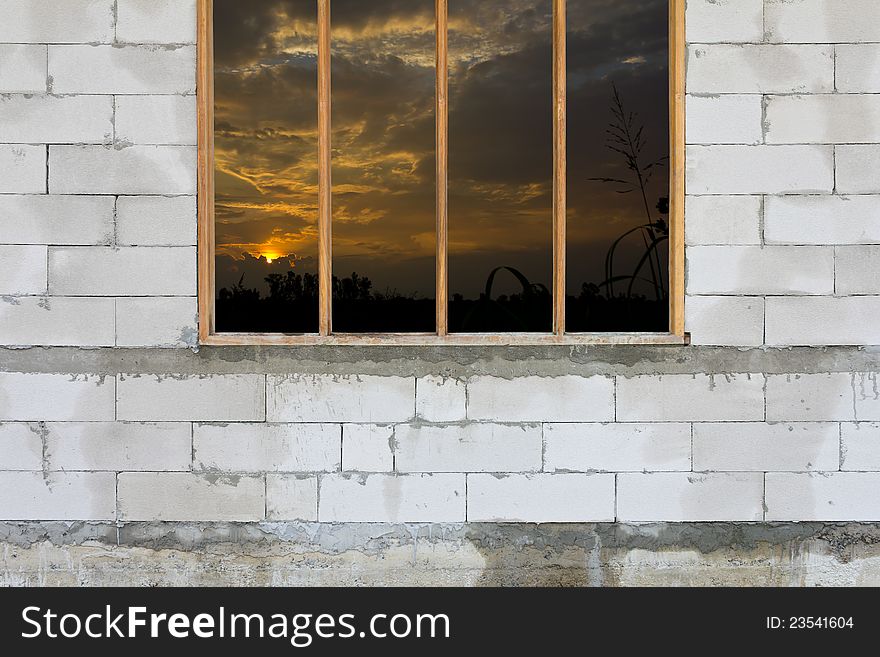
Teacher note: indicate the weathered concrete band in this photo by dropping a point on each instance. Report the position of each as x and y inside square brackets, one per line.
[455, 361]
[460, 554]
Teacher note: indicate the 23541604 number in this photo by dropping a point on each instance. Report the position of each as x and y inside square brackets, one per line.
[810, 623]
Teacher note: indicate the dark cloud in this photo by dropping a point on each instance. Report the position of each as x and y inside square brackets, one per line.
[383, 132]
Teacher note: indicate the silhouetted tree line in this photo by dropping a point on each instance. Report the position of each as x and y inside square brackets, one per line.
[291, 306]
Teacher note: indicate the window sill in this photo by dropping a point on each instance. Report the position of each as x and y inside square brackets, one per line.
[431, 340]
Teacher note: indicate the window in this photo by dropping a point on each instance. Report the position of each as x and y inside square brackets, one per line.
[433, 171]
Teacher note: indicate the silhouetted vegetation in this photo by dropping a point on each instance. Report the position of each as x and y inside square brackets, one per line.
[614, 304]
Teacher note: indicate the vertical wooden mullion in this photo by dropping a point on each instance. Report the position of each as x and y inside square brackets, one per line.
[325, 231]
[677, 157]
[559, 166]
[206, 236]
[442, 145]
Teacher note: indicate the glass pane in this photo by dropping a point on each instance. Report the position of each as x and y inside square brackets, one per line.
[618, 175]
[501, 165]
[266, 126]
[383, 166]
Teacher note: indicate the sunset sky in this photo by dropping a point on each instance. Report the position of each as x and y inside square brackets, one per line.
[383, 136]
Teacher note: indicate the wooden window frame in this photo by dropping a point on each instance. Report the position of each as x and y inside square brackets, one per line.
[206, 218]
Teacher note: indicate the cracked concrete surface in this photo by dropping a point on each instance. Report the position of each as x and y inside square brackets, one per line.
[278, 554]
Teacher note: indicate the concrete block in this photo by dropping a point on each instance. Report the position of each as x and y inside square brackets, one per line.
[691, 398]
[56, 397]
[859, 446]
[830, 497]
[468, 448]
[822, 220]
[126, 271]
[23, 68]
[690, 497]
[367, 448]
[541, 498]
[725, 321]
[50, 21]
[857, 168]
[156, 120]
[858, 270]
[617, 447]
[157, 322]
[88, 69]
[209, 398]
[21, 447]
[811, 397]
[392, 498]
[130, 170]
[856, 69]
[357, 399]
[761, 447]
[156, 21]
[807, 169]
[57, 322]
[760, 69]
[22, 169]
[33, 496]
[184, 497]
[822, 321]
[56, 119]
[725, 119]
[156, 220]
[723, 220]
[739, 270]
[291, 498]
[116, 446]
[28, 273]
[541, 399]
[822, 119]
[59, 220]
[441, 399]
[267, 447]
[822, 21]
[726, 21]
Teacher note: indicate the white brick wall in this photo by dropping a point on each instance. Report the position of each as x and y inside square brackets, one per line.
[98, 213]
